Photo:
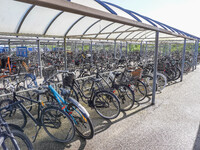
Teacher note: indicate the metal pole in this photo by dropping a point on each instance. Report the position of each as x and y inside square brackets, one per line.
[120, 50]
[115, 46]
[145, 56]
[82, 46]
[170, 48]
[65, 54]
[9, 48]
[183, 60]
[194, 56]
[155, 67]
[91, 58]
[39, 57]
[126, 49]
[197, 52]
[141, 49]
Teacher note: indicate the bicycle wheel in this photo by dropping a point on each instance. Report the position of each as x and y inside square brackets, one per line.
[57, 124]
[126, 97]
[22, 140]
[15, 116]
[86, 88]
[82, 122]
[30, 81]
[148, 81]
[139, 89]
[106, 104]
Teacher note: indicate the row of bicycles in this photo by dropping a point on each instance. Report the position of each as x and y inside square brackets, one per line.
[59, 104]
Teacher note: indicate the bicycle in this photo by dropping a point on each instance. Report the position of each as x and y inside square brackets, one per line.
[56, 122]
[105, 103]
[77, 112]
[11, 136]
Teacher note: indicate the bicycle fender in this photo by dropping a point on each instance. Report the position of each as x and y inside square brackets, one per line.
[84, 111]
[13, 126]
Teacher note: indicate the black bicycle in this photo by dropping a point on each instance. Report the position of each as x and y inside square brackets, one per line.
[57, 123]
[105, 103]
[12, 136]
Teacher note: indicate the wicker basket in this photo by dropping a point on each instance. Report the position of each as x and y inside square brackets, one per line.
[137, 73]
[68, 80]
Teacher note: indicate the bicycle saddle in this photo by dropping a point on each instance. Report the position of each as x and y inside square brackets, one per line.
[96, 79]
[64, 92]
[117, 73]
[43, 91]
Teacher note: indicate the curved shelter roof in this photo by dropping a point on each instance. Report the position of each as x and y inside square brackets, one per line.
[80, 19]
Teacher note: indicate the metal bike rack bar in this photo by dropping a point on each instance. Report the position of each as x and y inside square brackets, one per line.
[155, 67]
[115, 46]
[183, 60]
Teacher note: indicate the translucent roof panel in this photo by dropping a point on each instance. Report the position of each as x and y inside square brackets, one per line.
[98, 27]
[124, 28]
[62, 24]
[121, 12]
[111, 28]
[103, 36]
[38, 19]
[11, 13]
[123, 35]
[80, 27]
[90, 3]
[134, 34]
[114, 35]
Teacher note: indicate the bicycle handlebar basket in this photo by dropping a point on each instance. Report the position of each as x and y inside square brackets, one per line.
[68, 79]
[137, 73]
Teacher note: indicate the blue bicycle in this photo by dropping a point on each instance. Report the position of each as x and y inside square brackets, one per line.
[78, 113]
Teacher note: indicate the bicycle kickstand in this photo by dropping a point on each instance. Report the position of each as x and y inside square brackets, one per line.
[37, 131]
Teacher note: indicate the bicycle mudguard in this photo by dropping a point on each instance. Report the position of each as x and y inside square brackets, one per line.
[84, 111]
[13, 126]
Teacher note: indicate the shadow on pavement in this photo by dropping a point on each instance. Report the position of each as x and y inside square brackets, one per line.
[197, 141]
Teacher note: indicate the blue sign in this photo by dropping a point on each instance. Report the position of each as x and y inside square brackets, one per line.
[1, 50]
[22, 52]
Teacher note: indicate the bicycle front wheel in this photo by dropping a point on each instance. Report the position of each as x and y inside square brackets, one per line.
[106, 104]
[22, 141]
[57, 124]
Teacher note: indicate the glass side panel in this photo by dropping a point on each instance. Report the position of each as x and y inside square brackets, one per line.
[11, 14]
[62, 24]
[38, 19]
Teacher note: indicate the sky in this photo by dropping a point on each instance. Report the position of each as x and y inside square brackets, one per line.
[180, 14]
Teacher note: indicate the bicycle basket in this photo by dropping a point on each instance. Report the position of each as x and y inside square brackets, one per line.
[68, 80]
[137, 73]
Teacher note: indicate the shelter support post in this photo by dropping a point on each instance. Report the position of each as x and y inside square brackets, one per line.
[194, 56]
[197, 53]
[115, 46]
[145, 54]
[155, 67]
[183, 60]
[91, 58]
[39, 57]
[126, 49]
[141, 49]
[170, 48]
[120, 50]
[9, 47]
[65, 54]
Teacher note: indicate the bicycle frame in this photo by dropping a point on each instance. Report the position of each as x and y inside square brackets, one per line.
[60, 100]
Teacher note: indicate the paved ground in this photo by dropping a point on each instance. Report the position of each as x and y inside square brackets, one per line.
[172, 124]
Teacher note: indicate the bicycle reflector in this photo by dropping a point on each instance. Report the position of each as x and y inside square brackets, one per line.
[84, 118]
[114, 91]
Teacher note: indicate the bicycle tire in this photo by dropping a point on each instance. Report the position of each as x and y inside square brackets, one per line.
[139, 89]
[82, 122]
[15, 116]
[100, 104]
[148, 81]
[22, 140]
[52, 116]
[126, 97]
